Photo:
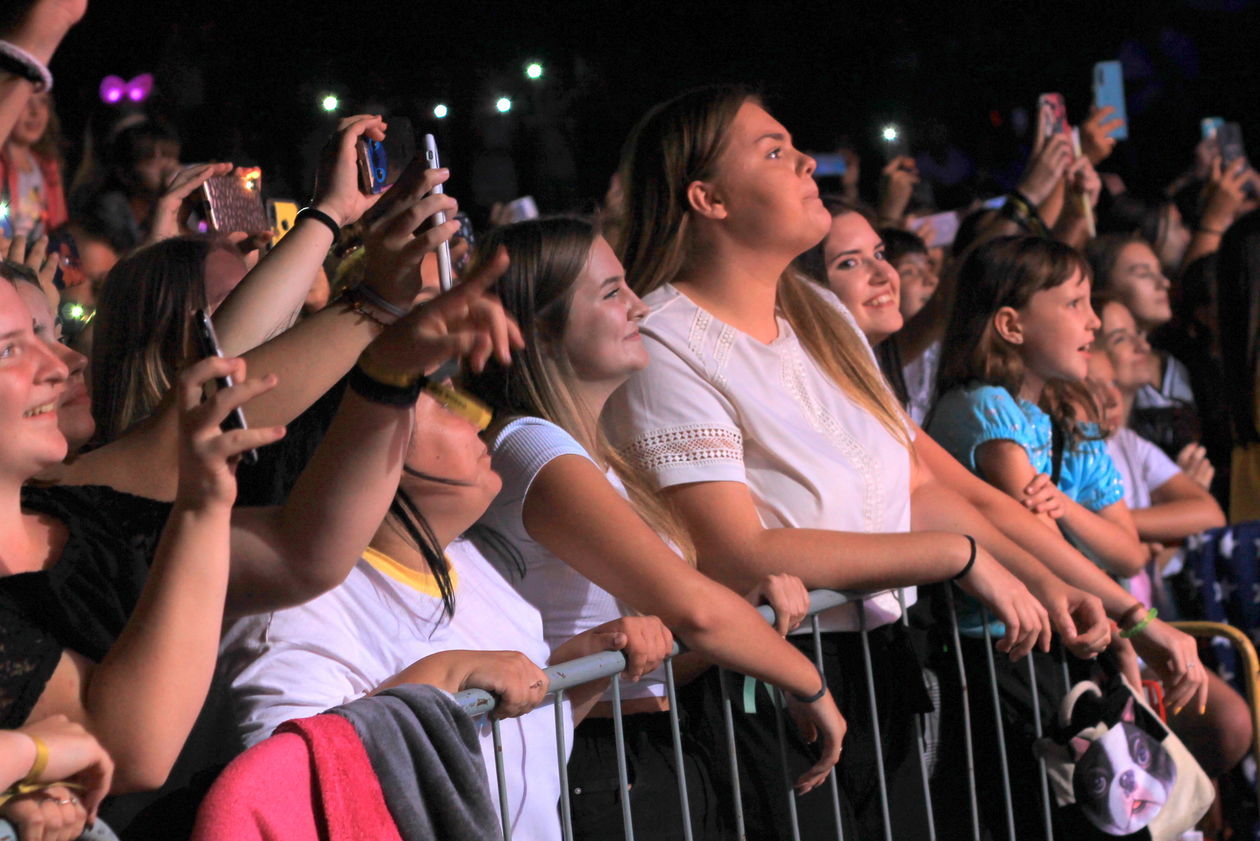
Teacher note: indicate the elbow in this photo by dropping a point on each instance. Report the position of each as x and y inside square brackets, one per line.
[698, 620]
[1215, 518]
[1132, 562]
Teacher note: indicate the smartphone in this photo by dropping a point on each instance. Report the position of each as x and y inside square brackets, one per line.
[444, 250]
[1109, 90]
[382, 161]
[518, 210]
[208, 345]
[234, 202]
[895, 143]
[1229, 136]
[829, 165]
[281, 213]
[1208, 126]
[944, 227]
[1055, 108]
[465, 233]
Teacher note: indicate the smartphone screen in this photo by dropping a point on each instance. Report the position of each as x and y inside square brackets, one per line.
[1109, 91]
[829, 165]
[208, 344]
[281, 213]
[1229, 136]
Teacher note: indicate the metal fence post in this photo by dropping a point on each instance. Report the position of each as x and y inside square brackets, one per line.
[966, 710]
[728, 720]
[623, 777]
[869, 674]
[1001, 731]
[505, 813]
[676, 735]
[1041, 760]
[562, 759]
[832, 782]
[919, 741]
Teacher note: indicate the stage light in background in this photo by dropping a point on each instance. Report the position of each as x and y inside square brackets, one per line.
[503, 105]
[534, 70]
[330, 103]
[890, 133]
[440, 111]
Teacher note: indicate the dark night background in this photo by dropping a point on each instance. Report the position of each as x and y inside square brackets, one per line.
[242, 81]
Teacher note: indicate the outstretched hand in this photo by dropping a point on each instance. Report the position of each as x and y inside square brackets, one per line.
[337, 191]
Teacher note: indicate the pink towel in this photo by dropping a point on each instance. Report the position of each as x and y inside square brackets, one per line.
[311, 781]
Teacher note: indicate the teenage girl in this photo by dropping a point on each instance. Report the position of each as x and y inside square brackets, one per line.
[588, 535]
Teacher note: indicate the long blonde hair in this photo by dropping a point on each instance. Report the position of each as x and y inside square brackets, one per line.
[547, 257]
[678, 142]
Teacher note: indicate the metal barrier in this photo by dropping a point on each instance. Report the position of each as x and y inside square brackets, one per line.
[1240, 641]
[610, 663]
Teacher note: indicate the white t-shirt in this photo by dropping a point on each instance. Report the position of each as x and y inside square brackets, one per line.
[1142, 465]
[301, 661]
[716, 405]
[569, 602]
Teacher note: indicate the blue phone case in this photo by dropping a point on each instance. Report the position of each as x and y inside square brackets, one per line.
[1109, 90]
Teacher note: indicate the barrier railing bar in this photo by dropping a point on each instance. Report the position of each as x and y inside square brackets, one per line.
[562, 759]
[728, 720]
[1001, 730]
[966, 711]
[1247, 649]
[869, 674]
[623, 777]
[832, 782]
[505, 812]
[603, 664]
[676, 736]
[1041, 760]
[783, 763]
[919, 743]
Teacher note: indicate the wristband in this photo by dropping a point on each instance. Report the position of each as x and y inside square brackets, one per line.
[367, 386]
[40, 763]
[809, 699]
[321, 217]
[374, 298]
[971, 561]
[20, 63]
[1140, 626]
[1124, 617]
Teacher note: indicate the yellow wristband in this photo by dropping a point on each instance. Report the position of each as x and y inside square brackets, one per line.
[41, 760]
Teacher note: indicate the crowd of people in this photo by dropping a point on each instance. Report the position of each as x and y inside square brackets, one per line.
[725, 389]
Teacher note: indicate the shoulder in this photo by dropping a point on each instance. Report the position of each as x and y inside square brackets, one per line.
[527, 444]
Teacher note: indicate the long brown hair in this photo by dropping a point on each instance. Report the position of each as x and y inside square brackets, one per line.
[1003, 272]
[547, 257]
[679, 142]
[143, 330]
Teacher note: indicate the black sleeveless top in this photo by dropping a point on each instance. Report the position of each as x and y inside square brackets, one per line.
[82, 601]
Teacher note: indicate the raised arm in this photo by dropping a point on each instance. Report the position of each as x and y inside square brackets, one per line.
[143, 697]
[286, 555]
[269, 298]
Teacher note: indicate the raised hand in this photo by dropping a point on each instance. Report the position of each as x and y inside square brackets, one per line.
[468, 321]
[1096, 140]
[207, 454]
[1193, 461]
[337, 190]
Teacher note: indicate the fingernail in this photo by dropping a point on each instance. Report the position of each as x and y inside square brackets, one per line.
[1203, 709]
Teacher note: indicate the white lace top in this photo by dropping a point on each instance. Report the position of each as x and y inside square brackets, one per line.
[716, 405]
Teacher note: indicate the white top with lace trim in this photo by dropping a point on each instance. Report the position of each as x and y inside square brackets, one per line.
[716, 405]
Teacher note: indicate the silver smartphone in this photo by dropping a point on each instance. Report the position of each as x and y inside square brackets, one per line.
[444, 250]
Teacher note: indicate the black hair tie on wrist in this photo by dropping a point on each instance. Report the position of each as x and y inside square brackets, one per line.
[375, 391]
[971, 561]
[321, 217]
[809, 699]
